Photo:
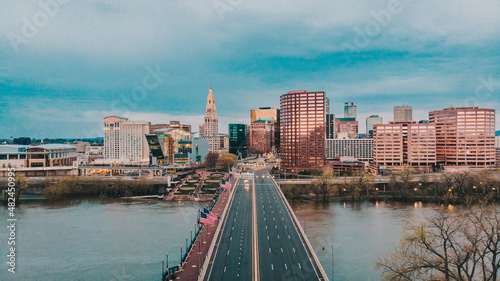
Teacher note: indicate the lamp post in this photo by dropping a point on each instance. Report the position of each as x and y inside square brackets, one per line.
[186, 244]
[181, 255]
[162, 268]
[167, 259]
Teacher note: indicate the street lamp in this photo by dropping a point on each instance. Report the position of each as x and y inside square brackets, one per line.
[181, 255]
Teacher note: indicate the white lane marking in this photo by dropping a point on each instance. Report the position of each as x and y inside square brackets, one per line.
[266, 226]
[289, 237]
[224, 269]
[300, 266]
[231, 238]
[282, 250]
[272, 266]
[228, 252]
[269, 250]
[285, 266]
[267, 237]
[275, 226]
[294, 250]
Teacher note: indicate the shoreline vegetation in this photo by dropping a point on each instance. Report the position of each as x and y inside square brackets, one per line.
[458, 188]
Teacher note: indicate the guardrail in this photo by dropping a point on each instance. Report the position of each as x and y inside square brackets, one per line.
[310, 251]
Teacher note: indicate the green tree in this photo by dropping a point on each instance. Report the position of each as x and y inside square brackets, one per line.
[227, 160]
[212, 159]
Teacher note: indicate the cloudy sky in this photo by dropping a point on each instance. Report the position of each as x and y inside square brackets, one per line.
[65, 65]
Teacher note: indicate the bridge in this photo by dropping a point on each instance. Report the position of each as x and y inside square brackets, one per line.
[259, 237]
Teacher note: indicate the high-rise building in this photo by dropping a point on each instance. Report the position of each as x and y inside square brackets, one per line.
[268, 112]
[302, 117]
[125, 140]
[327, 106]
[330, 126]
[403, 113]
[346, 128]
[209, 130]
[370, 121]
[261, 135]
[465, 136]
[238, 142]
[173, 124]
[399, 144]
[350, 110]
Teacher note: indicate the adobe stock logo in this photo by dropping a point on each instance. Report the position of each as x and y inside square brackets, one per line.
[31, 27]
[371, 29]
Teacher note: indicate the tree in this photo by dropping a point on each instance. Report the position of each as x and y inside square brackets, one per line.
[228, 160]
[212, 159]
[359, 182]
[21, 184]
[402, 181]
[447, 246]
[323, 185]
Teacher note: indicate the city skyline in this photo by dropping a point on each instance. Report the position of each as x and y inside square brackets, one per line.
[450, 61]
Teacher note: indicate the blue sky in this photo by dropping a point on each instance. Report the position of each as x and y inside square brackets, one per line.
[65, 65]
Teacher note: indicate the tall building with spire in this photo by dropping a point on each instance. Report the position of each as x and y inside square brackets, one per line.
[211, 125]
[209, 130]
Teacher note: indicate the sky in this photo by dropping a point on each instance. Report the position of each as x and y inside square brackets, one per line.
[67, 64]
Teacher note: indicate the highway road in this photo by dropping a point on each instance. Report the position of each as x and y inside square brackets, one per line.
[282, 255]
[233, 259]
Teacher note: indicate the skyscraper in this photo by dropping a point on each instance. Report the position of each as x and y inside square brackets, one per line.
[209, 130]
[302, 117]
[330, 126]
[238, 142]
[125, 140]
[350, 110]
[370, 121]
[211, 125]
[261, 135]
[327, 106]
[465, 136]
[403, 113]
[265, 113]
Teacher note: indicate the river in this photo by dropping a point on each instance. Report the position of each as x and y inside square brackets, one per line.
[126, 239]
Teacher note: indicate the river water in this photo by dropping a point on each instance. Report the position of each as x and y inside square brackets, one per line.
[126, 240]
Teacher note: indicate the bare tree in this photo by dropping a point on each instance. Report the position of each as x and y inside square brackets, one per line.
[361, 181]
[402, 181]
[447, 246]
[324, 184]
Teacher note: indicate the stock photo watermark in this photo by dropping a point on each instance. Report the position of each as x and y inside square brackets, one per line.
[47, 9]
[12, 220]
[483, 91]
[129, 101]
[373, 28]
[223, 7]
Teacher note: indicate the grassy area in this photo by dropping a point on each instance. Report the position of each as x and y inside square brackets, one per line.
[183, 192]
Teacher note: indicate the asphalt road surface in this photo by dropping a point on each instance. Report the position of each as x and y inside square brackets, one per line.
[282, 255]
[233, 260]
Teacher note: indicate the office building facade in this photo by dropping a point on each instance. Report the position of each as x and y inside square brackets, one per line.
[403, 113]
[264, 113]
[350, 110]
[465, 136]
[346, 128]
[171, 125]
[358, 149]
[331, 132]
[238, 141]
[370, 122]
[261, 135]
[125, 140]
[302, 117]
